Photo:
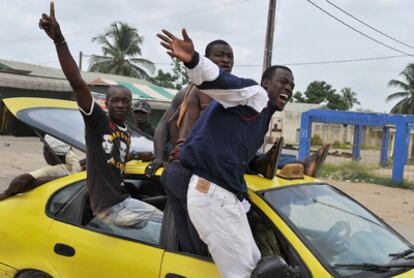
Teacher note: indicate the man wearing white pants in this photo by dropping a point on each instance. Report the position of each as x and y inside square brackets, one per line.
[218, 149]
[220, 218]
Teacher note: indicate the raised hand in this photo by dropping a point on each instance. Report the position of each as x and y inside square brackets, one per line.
[181, 49]
[50, 25]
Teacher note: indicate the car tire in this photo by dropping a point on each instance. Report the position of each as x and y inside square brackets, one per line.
[31, 273]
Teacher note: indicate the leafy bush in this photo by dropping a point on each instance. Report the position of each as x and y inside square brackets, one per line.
[316, 140]
[336, 144]
[356, 172]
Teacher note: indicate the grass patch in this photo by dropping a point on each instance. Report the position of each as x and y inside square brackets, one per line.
[356, 172]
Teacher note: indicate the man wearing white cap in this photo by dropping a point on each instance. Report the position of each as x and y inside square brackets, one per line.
[64, 163]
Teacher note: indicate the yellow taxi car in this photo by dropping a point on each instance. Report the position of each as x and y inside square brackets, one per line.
[318, 230]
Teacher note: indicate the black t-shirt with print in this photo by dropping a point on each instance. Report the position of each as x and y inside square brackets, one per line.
[107, 146]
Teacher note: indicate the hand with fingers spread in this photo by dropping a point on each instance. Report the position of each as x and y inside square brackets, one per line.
[51, 26]
[182, 49]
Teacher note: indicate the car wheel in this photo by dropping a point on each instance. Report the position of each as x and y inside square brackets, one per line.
[31, 273]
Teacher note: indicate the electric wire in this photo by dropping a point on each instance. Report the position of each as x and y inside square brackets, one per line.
[358, 31]
[190, 12]
[369, 26]
[350, 60]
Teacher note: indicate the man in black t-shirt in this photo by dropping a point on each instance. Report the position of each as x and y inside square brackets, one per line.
[107, 141]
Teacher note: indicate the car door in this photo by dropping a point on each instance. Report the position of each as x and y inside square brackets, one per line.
[77, 250]
[176, 264]
[181, 264]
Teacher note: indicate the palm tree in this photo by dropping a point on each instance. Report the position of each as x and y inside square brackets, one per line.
[350, 97]
[406, 105]
[120, 46]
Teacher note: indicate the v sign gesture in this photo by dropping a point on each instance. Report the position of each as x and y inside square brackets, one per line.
[183, 49]
[51, 26]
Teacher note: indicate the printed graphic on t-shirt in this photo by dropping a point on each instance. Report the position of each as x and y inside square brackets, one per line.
[118, 140]
[107, 144]
[122, 151]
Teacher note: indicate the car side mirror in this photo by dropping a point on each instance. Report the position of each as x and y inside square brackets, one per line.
[275, 266]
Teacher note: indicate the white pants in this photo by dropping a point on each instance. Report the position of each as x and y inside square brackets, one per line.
[220, 220]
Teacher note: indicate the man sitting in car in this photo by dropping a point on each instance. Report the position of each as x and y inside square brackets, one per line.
[107, 141]
[63, 163]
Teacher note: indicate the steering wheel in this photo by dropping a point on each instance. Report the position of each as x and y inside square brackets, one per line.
[334, 241]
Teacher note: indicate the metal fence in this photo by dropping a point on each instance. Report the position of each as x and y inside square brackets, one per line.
[378, 144]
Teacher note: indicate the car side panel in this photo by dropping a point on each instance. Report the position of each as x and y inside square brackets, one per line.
[100, 255]
[7, 271]
[23, 233]
[187, 266]
[315, 267]
[408, 274]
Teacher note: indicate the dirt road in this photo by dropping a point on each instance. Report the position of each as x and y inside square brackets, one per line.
[394, 205]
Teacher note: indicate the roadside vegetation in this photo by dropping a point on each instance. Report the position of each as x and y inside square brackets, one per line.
[355, 172]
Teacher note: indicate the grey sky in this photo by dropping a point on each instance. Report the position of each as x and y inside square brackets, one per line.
[303, 34]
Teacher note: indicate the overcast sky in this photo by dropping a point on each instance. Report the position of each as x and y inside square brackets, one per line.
[302, 34]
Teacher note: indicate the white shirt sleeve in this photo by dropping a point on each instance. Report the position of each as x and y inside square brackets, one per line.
[227, 89]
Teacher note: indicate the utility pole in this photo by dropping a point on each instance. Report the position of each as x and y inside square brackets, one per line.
[80, 61]
[267, 58]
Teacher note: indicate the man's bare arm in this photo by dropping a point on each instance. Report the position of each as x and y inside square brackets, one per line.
[161, 135]
[67, 63]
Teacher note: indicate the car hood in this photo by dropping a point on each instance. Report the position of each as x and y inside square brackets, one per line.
[62, 120]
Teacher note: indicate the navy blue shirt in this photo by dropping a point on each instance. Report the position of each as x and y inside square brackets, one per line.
[230, 131]
[222, 143]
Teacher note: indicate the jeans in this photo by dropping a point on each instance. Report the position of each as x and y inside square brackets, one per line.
[132, 212]
[175, 179]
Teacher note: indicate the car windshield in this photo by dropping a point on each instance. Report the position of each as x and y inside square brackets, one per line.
[68, 126]
[336, 228]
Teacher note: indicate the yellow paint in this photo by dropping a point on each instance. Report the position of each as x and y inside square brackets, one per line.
[28, 235]
[17, 104]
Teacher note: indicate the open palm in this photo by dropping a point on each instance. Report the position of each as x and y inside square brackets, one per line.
[182, 49]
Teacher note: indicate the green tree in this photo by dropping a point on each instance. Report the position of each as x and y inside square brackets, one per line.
[349, 97]
[177, 80]
[336, 102]
[318, 92]
[406, 105]
[121, 46]
[298, 97]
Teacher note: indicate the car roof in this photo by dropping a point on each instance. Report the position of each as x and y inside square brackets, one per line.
[17, 104]
[254, 182]
[63, 121]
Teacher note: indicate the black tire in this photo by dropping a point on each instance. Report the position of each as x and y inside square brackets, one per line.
[31, 273]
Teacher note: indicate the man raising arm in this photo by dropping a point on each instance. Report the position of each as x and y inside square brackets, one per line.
[107, 140]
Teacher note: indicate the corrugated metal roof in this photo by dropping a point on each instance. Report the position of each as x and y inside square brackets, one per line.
[51, 79]
[33, 83]
[44, 71]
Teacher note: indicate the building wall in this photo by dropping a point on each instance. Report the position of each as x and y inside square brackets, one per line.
[287, 124]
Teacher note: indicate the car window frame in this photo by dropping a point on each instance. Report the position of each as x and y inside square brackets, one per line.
[282, 237]
[306, 242]
[51, 197]
[92, 229]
